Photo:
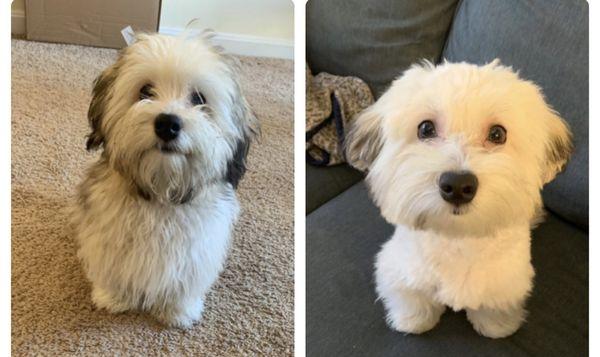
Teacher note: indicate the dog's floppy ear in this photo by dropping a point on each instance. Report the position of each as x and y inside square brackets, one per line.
[244, 117]
[100, 96]
[559, 147]
[236, 166]
[364, 139]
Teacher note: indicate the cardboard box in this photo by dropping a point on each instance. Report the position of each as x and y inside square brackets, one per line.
[89, 22]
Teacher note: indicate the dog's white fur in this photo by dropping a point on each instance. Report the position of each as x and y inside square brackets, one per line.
[153, 227]
[476, 257]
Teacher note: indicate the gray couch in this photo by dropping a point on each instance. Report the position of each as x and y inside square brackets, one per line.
[547, 41]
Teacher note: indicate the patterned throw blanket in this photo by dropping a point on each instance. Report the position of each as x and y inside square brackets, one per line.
[331, 104]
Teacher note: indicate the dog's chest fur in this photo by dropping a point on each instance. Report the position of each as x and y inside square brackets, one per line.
[153, 251]
[463, 272]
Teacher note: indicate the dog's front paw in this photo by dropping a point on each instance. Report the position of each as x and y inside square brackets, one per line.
[416, 321]
[181, 321]
[496, 323]
[181, 316]
[104, 299]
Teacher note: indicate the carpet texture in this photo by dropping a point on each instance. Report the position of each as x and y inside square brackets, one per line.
[250, 309]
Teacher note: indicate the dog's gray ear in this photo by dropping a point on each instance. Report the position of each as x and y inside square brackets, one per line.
[244, 117]
[559, 147]
[364, 139]
[100, 96]
[236, 166]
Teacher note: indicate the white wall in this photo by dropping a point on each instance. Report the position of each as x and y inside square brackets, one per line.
[246, 27]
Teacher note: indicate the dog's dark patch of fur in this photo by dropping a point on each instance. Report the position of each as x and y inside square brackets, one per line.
[364, 140]
[244, 116]
[100, 97]
[187, 197]
[559, 151]
[236, 167]
[142, 193]
[139, 191]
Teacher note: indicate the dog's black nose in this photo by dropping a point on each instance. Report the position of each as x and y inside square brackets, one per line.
[167, 126]
[458, 187]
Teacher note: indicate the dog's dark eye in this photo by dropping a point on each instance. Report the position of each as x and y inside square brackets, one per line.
[497, 135]
[146, 92]
[426, 130]
[197, 98]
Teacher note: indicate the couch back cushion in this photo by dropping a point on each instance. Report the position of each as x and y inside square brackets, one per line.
[547, 42]
[375, 40]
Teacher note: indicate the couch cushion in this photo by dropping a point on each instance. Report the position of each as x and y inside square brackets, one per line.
[343, 318]
[547, 41]
[375, 40]
[324, 183]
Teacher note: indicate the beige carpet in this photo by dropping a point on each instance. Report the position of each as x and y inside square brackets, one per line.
[250, 310]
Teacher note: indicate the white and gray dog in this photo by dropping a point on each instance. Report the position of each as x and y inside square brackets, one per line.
[154, 214]
[456, 156]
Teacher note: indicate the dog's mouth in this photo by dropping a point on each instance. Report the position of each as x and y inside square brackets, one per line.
[459, 210]
[167, 148]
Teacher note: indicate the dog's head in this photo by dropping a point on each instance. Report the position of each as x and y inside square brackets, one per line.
[459, 149]
[171, 117]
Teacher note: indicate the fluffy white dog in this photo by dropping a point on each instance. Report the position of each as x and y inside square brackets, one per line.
[456, 158]
[155, 212]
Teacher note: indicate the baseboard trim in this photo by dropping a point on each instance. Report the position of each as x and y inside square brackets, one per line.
[245, 45]
[17, 23]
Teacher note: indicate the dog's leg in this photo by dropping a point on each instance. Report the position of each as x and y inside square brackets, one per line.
[182, 314]
[104, 299]
[497, 323]
[407, 310]
[411, 311]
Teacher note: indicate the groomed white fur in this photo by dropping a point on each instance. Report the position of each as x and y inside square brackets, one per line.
[475, 257]
[153, 227]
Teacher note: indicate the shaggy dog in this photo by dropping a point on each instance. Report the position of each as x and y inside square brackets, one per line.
[154, 214]
[456, 156]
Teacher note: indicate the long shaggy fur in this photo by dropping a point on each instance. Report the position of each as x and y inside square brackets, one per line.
[477, 256]
[153, 227]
